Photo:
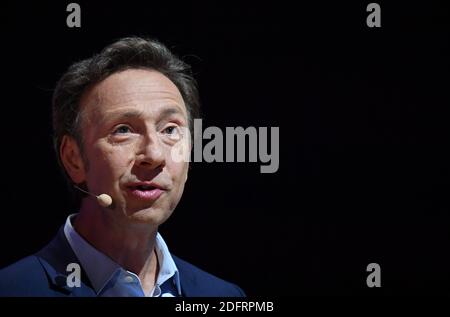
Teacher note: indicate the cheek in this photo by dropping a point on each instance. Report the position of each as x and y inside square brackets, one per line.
[108, 164]
[178, 171]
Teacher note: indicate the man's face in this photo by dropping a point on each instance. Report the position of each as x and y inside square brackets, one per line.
[131, 123]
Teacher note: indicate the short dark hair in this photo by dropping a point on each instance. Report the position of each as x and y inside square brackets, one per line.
[126, 53]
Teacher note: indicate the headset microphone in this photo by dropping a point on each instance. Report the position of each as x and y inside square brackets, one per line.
[103, 200]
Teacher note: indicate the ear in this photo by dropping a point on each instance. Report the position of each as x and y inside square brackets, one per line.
[72, 160]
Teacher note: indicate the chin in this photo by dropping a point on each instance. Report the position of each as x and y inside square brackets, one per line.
[152, 216]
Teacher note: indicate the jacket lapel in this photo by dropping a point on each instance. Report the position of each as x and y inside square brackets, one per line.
[189, 285]
[55, 258]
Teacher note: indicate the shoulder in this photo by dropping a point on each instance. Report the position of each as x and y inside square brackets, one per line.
[198, 283]
[23, 278]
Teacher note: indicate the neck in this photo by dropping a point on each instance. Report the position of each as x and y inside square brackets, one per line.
[132, 246]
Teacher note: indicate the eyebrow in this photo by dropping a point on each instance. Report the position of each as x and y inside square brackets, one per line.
[121, 115]
[167, 112]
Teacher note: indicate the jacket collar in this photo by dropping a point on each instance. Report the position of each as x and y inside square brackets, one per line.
[58, 254]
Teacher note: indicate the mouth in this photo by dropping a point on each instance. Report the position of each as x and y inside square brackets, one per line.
[145, 191]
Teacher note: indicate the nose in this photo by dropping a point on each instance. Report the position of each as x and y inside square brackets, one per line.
[150, 153]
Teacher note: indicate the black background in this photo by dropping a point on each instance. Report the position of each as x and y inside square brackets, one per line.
[364, 136]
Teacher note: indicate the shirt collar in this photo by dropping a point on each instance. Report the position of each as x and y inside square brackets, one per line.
[100, 268]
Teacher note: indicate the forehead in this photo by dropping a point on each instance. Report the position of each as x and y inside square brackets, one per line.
[148, 90]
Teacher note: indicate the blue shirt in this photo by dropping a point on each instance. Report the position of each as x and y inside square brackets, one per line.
[109, 279]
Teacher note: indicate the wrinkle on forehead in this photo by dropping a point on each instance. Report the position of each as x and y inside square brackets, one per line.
[129, 87]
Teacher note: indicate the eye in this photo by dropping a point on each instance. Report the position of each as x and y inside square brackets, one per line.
[172, 131]
[122, 129]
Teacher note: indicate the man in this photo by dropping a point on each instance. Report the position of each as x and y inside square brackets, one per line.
[120, 120]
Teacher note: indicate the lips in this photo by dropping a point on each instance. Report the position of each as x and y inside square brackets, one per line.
[148, 191]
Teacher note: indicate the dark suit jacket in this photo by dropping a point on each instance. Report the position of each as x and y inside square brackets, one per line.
[44, 274]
